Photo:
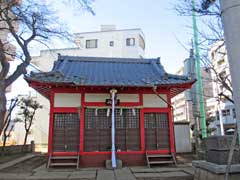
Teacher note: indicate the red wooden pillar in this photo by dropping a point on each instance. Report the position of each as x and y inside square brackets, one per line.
[82, 123]
[51, 119]
[171, 125]
[142, 131]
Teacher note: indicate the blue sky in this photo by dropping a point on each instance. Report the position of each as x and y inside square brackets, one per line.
[157, 19]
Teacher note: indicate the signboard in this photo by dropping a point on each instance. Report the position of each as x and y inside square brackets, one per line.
[109, 102]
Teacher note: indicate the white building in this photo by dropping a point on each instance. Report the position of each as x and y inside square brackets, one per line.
[183, 103]
[221, 108]
[108, 42]
[186, 113]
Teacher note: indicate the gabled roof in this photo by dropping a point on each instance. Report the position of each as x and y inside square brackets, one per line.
[114, 72]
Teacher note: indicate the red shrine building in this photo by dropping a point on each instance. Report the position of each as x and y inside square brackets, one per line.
[83, 109]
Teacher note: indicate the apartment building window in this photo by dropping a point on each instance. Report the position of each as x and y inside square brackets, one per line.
[130, 41]
[223, 74]
[220, 62]
[226, 112]
[141, 42]
[234, 113]
[111, 43]
[217, 115]
[91, 43]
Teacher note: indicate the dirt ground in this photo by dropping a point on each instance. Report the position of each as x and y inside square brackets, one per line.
[185, 158]
[27, 165]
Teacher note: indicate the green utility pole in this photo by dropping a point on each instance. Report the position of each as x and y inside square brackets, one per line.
[198, 69]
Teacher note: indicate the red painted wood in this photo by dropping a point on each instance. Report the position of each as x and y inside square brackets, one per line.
[65, 110]
[109, 153]
[103, 104]
[142, 130]
[96, 89]
[160, 110]
[82, 124]
[141, 99]
[51, 117]
[171, 126]
[163, 151]
[99, 160]
[65, 153]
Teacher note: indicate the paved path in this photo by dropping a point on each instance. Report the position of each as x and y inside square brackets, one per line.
[118, 174]
[133, 173]
[182, 172]
[15, 161]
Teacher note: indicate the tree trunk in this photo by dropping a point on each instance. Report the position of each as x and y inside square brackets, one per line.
[25, 141]
[3, 102]
[4, 144]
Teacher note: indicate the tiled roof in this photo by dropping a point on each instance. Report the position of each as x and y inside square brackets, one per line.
[101, 71]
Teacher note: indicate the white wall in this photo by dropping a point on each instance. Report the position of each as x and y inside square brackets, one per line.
[152, 100]
[41, 124]
[47, 57]
[67, 100]
[182, 138]
[92, 97]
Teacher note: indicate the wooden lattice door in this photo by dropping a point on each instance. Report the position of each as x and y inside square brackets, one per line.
[66, 132]
[156, 131]
[97, 130]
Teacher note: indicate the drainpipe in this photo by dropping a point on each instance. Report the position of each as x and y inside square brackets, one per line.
[114, 164]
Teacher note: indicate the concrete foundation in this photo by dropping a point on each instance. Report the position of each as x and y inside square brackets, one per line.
[108, 164]
[219, 142]
[217, 150]
[221, 157]
[210, 171]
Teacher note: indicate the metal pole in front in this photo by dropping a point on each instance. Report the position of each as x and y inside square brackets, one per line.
[113, 92]
[199, 78]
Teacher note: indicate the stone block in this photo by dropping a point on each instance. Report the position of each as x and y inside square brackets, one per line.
[218, 142]
[108, 164]
[204, 174]
[201, 155]
[221, 157]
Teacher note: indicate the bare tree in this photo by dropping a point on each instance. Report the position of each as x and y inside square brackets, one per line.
[37, 24]
[8, 124]
[28, 107]
[210, 32]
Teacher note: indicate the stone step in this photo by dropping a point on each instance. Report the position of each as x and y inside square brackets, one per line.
[63, 164]
[64, 157]
[159, 155]
[161, 162]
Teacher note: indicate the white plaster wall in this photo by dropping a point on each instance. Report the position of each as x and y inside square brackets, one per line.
[182, 138]
[94, 97]
[67, 100]
[152, 100]
[128, 97]
[41, 124]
